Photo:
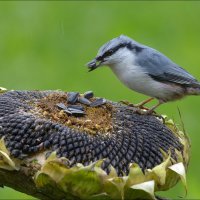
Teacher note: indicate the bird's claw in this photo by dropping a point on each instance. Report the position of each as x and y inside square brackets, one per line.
[145, 111]
[142, 112]
[150, 112]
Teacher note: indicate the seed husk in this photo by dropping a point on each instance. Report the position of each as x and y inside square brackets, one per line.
[67, 111]
[85, 101]
[72, 97]
[98, 102]
[61, 106]
[76, 112]
[88, 94]
[78, 107]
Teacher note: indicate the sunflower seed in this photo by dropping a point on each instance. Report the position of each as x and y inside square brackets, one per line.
[78, 107]
[98, 102]
[85, 101]
[61, 106]
[77, 112]
[68, 111]
[88, 94]
[72, 97]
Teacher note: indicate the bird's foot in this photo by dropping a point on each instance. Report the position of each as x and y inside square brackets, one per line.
[145, 111]
[127, 103]
[160, 117]
[140, 109]
[150, 112]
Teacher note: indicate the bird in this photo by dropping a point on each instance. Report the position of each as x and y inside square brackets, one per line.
[145, 70]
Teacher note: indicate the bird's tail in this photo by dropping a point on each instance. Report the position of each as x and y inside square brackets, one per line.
[194, 90]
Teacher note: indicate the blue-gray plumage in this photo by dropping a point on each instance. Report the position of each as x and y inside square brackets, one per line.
[159, 67]
[145, 70]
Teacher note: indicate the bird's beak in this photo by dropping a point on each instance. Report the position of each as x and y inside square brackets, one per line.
[93, 64]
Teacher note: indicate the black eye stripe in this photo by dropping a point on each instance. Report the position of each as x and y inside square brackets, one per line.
[129, 45]
[113, 50]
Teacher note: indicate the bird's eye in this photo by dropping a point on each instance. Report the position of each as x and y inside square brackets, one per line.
[109, 52]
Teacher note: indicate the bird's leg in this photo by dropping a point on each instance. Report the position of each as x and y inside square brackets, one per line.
[143, 102]
[154, 107]
[139, 105]
[151, 110]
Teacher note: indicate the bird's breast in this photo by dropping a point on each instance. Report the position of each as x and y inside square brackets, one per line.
[135, 78]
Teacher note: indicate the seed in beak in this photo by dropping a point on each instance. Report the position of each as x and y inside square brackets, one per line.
[93, 64]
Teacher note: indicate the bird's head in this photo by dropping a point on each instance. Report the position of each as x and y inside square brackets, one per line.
[113, 52]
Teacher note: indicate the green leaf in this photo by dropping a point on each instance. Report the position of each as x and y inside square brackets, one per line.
[136, 175]
[179, 169]
[5, 161]
[101, 196]
[160, 171]
[143, 190]
[114, 187]
[82, 183]
[2, 90]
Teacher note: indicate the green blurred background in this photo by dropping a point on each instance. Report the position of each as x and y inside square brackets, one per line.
[45, 45]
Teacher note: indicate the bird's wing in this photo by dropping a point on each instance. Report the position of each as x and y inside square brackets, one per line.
[161, 68]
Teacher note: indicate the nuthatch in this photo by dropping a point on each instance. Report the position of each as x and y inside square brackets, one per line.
[145, 70]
